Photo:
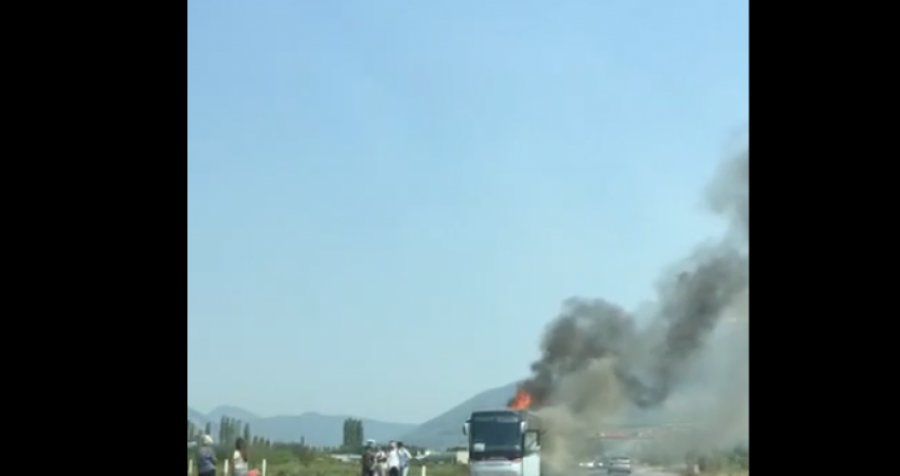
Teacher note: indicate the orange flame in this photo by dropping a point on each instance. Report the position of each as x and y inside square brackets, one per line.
[521, 401]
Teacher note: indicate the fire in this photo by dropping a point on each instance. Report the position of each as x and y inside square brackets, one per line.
[521, 401]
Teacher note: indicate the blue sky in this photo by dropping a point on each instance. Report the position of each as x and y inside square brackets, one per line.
[405, 191]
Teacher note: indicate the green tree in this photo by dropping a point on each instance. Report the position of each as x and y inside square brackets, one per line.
[346, 434]
[353, 434]
[237, 425]
[359, 434]
[231, 428]
[207, 430]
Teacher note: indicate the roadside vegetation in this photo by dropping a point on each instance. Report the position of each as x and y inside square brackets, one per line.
[301, 459]
[298, 460]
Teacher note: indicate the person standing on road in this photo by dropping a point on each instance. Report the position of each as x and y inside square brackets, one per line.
[393, 460]
[405, 457]
[239, 459]
[206, 457]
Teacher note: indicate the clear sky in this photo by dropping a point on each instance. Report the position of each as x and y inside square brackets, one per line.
[412, 187]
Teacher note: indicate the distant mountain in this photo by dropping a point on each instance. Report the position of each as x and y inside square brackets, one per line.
[440, 432]
[198, 418]
[445, 430]
[232, 412]
[317, 429]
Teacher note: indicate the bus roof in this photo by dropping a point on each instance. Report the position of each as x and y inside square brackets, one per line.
[504, 411]
[534, 421]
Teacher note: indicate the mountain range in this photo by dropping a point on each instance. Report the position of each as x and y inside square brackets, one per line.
[442, 431]
[316, 429]
[445, 430]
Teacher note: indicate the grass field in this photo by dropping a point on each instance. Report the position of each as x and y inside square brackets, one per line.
[291, 461]
[324, 468]
[281, 462]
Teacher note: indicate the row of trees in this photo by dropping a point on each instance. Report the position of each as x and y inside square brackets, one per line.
[229, 431]
[194, 432]
[355, 436]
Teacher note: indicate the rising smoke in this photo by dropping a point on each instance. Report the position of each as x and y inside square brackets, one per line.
[597, 364]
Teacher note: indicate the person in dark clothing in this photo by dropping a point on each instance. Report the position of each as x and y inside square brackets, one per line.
[206, 457]
[368, 459]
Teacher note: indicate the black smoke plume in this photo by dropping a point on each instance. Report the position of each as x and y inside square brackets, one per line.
[649, 363]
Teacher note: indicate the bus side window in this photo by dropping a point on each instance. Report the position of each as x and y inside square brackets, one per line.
[532, 442]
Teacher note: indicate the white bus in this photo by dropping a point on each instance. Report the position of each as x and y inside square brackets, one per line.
[504, 443]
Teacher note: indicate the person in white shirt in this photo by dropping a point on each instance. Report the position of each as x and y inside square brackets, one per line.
[393, 460]
[381, 463]
[405, 458]
[239, 458]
